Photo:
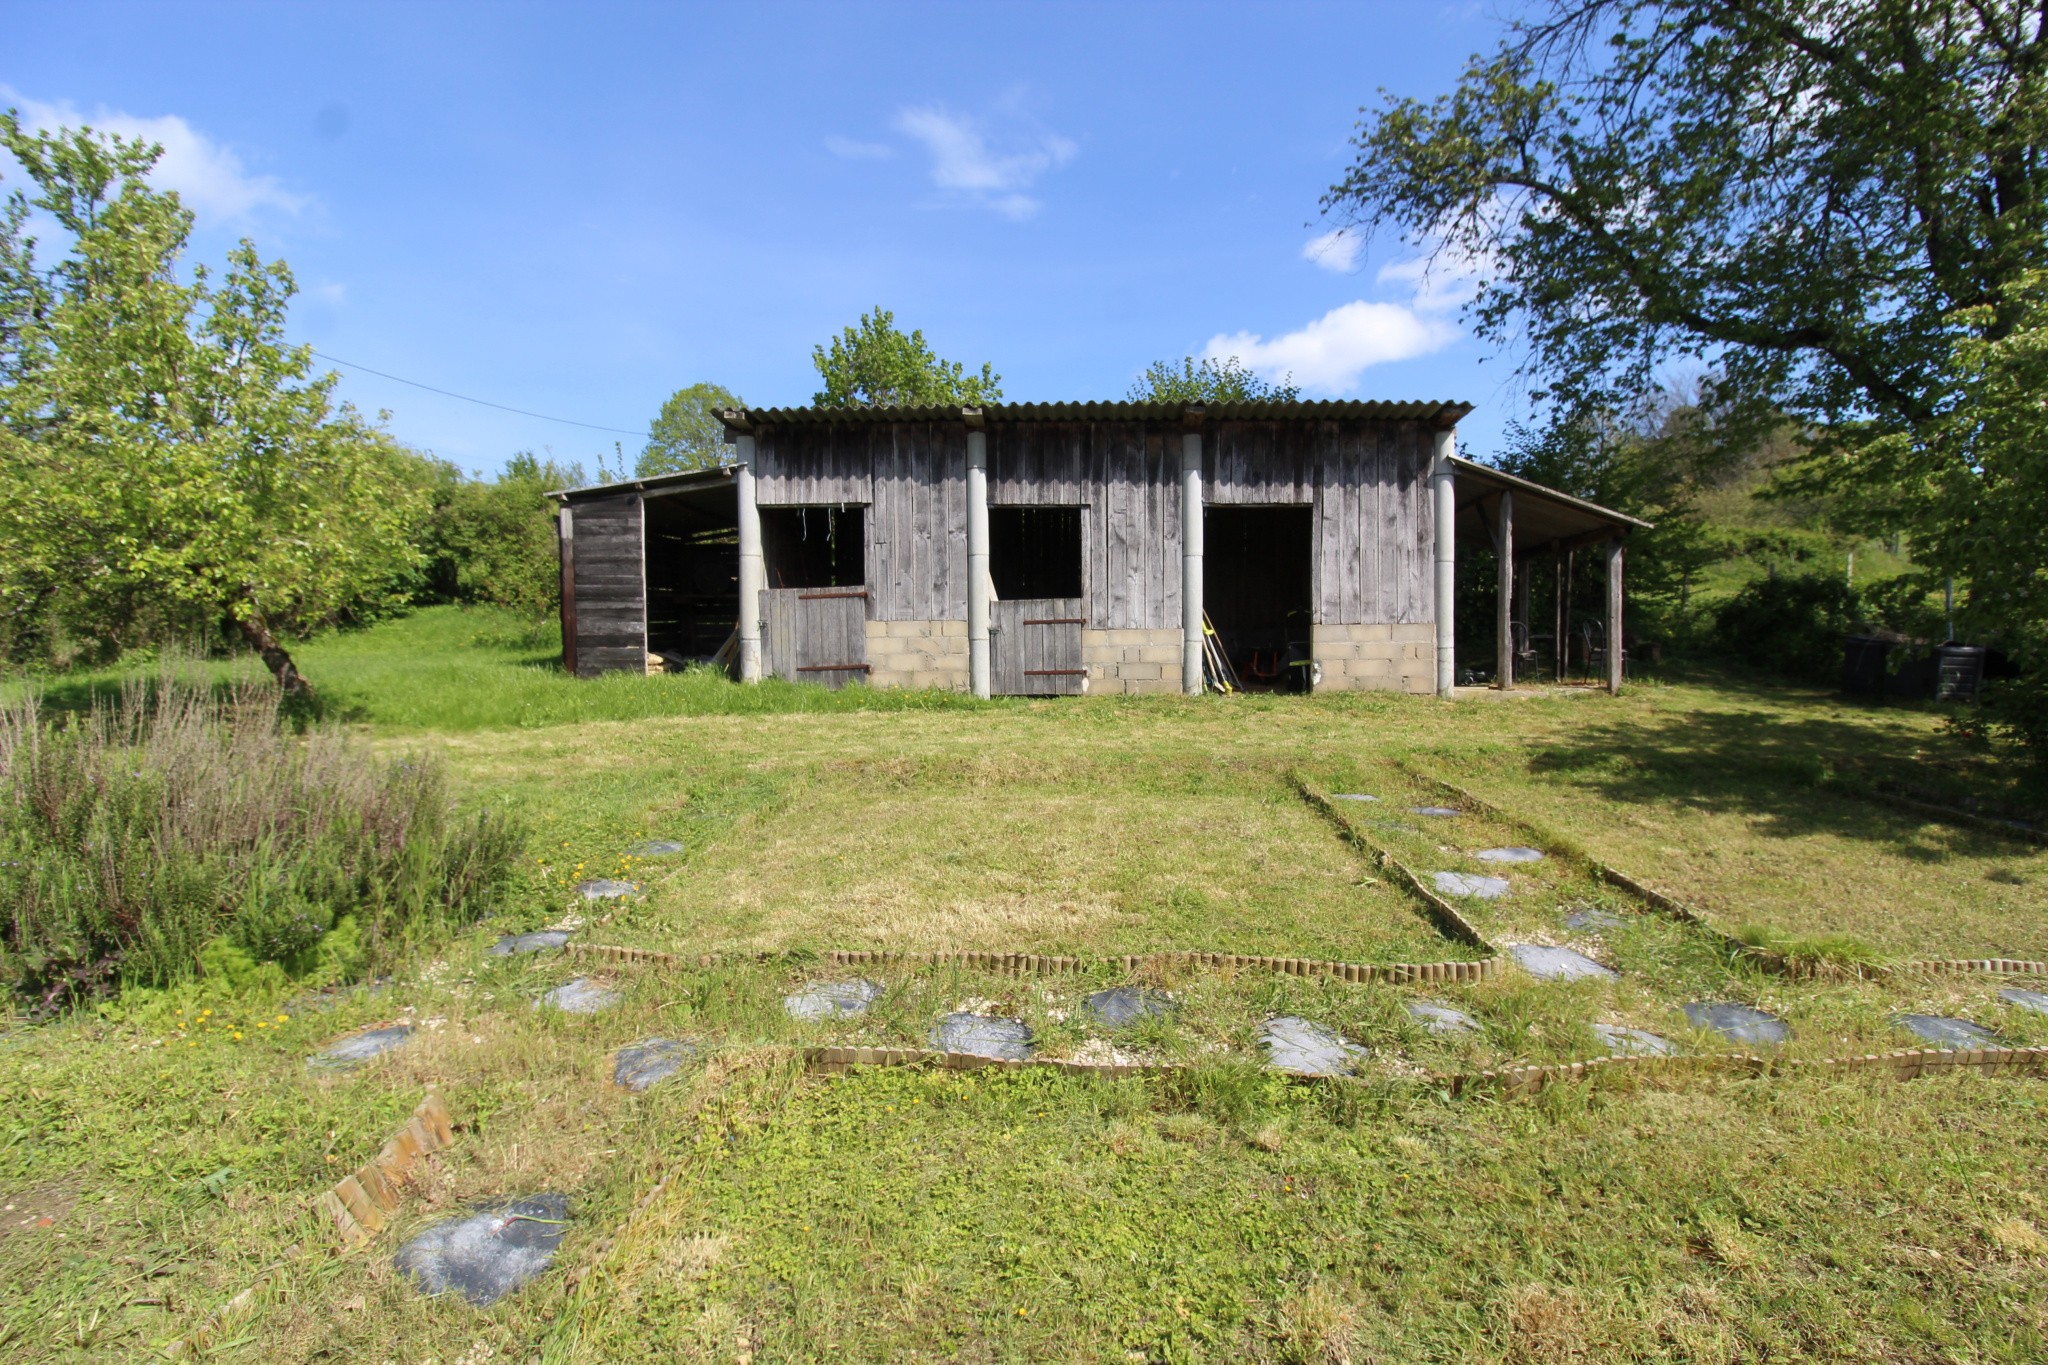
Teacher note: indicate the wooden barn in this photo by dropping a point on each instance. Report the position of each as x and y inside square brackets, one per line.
[1052, 548]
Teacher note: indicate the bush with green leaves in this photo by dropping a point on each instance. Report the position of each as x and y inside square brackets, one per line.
[1792, 624]
[188, 832]
[494, 542]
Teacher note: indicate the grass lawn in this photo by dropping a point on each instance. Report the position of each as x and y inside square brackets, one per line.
[153, 1164]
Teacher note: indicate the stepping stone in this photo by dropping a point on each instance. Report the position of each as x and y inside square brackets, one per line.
[1440, 812]
[1591, 920]
[1517, 854]
[831, 999]
[490, 1252]
[358, 1048]
[327, 997]
[1121, 1005]
[539, 942]
[1633, 1042]
[580, 996]
[1441, 1019]
[1307, 1049]
[1470, 884]
[655, 848]
[1396, 827]
[1946, 1033]
[2026, 1000]
[1546, 963]
[979, 1035]
[642, 1064]
[1352, 796]
[1738, 1023]
[605, 889]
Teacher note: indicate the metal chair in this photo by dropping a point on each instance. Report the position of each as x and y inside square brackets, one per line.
[1593, 649]
[1523, 648]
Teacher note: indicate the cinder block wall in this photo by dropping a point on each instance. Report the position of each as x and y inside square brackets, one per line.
[1382, 658]
[1131, 660]
[918, 654]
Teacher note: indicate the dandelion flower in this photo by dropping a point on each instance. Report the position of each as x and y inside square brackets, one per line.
[282, 1017]
[238, 1035]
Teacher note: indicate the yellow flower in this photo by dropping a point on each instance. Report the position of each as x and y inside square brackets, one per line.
[282, 1017]
[261, 1024]
[238, 1035]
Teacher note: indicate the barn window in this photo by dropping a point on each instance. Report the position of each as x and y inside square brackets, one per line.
[814, 547]
[1034, 552]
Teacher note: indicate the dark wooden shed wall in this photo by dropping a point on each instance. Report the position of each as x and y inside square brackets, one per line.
[607, 575]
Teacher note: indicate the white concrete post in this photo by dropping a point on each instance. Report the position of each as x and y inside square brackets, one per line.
[977, 562]
[1504, 609]
[1443, 480]
[1614, 561]
[1191, 648]
[753, 569]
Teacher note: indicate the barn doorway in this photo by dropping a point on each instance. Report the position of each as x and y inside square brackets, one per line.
[1040, 606]
[692, 564]
[1257, 586]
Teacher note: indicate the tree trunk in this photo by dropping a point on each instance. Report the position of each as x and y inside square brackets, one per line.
[257, 632]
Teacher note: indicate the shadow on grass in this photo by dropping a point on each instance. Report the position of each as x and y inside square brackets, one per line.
[1792, 776]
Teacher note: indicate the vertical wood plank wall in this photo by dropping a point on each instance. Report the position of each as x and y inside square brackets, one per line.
[610, 585]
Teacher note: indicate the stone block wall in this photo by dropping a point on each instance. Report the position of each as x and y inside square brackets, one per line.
[1130, 661]
[1382, 658]
[918, 654]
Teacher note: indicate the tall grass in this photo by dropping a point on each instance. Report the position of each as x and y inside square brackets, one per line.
[185, 830]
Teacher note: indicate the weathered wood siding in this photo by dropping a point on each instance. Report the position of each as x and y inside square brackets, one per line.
[1126, 476]
[610, 585]
[1036, 647]
[817, 635]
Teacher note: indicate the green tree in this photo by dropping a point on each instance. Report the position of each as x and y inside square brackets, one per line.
[168, 460]
[874, 365]
[686, 433]
[1209, 381]
[494, 541]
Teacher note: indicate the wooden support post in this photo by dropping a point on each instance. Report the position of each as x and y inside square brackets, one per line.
[1614, 637]
[1504, 635]
[977, 556]
[1571, 573]
[753, 569]
[1444, 490]
[1558, 625]
[1192, 620]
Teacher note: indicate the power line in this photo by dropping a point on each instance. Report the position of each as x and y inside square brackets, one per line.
[480, 402]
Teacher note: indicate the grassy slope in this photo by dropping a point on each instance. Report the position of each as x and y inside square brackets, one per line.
[1222, 1218]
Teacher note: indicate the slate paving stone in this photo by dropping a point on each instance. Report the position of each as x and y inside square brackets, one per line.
[1590, 920]
[1738, 1023]
[1470, 884]
[640, 1065]
[831, 999]
[605, 889]
[2037, 1001]
[580, 996]
[1440, 812]
[1308, 1049]
[1516, 854]
[1633, 1042]
[979, 1035]
[1944, 1032]
[538, 942]
[489, 1252]
[1442, 1019]
[1121, 1005]
[1352, 796]
[1546, 963]
[358, 1048]
[655, 848]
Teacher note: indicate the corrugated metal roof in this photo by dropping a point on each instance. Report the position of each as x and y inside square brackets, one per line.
[680, 482]
[1440, 412]
[1472, 472]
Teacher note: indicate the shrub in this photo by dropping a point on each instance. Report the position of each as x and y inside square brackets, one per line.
[1792, 624]
[184, 833]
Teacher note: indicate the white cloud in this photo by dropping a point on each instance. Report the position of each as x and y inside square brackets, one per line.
[1328, 355]
[1336, 250]
[967, 168]
[852, 149]
[207, 176]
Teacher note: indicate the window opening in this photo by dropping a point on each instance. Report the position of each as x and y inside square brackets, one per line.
[1034, 552]
[814, 547]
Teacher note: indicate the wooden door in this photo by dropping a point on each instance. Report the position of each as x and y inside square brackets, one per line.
[1036, 647]
[815, 635]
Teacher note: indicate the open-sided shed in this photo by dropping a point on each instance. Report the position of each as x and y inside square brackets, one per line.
[1038, 548]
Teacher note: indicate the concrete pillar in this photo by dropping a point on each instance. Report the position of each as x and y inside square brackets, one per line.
[1443, 482]
[1614, 615]
[1191, 647]
[1504, 610]
[753, 569]
[977, 563]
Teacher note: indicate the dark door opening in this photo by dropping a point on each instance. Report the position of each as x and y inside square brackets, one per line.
[1257, 588]
[693, 574]
[814, 547]
[1034, 565]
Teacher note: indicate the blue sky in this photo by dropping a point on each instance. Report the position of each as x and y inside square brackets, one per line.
[577, 209]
